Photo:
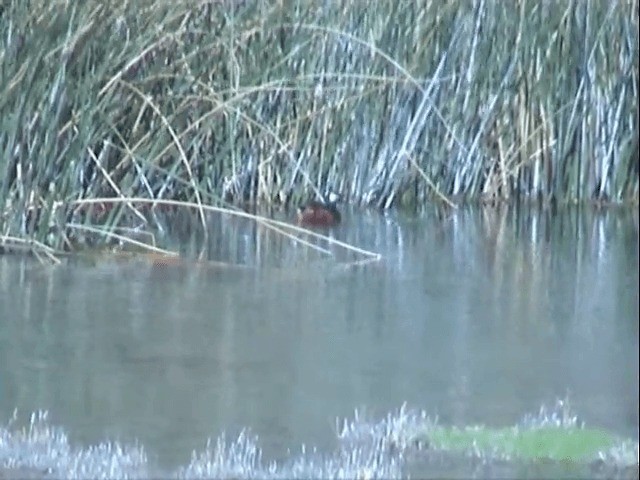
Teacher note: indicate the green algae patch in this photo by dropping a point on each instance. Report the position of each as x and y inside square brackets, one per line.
[552, 443]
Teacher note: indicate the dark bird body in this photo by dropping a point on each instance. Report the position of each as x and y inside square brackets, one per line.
[320, 213]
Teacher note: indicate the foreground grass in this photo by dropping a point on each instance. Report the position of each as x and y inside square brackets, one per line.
[363, 452]
[272, 102]
[548, 443]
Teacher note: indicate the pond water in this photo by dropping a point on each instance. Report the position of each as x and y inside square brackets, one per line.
[474, 316]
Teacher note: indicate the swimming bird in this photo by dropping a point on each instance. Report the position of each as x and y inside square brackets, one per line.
[320, 213]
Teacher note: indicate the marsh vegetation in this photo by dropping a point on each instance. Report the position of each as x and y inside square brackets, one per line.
[228, 103]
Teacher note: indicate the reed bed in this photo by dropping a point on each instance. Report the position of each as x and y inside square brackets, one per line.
[228, 102]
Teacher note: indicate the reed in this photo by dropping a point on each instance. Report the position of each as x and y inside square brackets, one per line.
[392, 103]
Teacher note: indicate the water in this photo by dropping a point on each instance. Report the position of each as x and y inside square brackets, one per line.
[478, 317]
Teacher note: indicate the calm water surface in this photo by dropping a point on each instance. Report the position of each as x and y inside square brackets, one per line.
[477, 316]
